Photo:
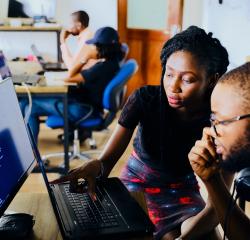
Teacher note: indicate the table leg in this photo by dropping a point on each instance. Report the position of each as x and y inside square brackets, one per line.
[66, 135]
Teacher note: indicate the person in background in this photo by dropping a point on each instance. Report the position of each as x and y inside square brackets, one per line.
[91, 82]
[230, 150]
[80, 29]
[170, 118]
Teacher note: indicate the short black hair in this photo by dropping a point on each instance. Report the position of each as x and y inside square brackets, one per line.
[239, 79]
[82, 17]
[110, 51]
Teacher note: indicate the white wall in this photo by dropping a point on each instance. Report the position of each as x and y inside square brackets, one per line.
[101, 12]
[229, 22]
[192, 13]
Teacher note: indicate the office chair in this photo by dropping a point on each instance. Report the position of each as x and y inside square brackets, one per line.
[125, 50]
[112, 100]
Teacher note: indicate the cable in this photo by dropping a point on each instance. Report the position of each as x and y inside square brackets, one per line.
[229, 210]
[28, 112]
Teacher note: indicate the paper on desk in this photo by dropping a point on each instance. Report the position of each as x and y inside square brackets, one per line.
[56, 78]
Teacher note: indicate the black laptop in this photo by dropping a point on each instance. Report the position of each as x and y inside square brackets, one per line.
[47, 66]
[114, 215]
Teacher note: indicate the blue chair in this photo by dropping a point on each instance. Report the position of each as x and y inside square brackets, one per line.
[113, 98]
[125, 50]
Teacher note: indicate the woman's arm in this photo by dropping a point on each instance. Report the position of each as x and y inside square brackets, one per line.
[90, 52]
[115, 147]
[111, 154]
[77, 78]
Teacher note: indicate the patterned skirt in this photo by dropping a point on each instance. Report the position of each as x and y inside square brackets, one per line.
[169, 201]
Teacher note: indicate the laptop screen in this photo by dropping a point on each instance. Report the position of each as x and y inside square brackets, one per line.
[37, 54]
[4, 69]
[16, 154]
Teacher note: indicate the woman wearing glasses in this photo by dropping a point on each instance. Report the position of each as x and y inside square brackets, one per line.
[170, 118]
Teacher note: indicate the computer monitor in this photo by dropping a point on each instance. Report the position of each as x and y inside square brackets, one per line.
[16, 155]
[4, 69]
[32, 8]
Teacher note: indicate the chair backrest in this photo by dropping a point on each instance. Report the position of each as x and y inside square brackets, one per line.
[125, 50]
[112, 93]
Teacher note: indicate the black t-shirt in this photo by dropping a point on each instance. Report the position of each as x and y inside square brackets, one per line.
[96, 80]
[143, 108]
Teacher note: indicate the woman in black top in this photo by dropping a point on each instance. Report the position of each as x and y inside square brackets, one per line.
[170, 117]
[91, 81]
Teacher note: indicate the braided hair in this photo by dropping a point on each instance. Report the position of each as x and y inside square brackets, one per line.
[209, 53]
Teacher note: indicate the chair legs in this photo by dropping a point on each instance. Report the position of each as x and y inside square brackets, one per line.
[76, 151]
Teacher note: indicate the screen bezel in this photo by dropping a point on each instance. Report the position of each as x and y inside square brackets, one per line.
[21, 180]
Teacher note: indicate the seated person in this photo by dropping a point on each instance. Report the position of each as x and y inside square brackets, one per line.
[230, 105]
[80, 23]
[170, 117]
[91, 81]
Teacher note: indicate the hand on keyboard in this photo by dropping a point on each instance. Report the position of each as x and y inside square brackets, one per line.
[89, 171]
[78, 187]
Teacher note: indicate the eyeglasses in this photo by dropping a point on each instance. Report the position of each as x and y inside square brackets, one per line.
[215, 122]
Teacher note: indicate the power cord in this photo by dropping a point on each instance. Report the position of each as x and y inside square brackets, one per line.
[28, 112]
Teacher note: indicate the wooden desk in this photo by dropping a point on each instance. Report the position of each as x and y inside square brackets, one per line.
[57, 30]
[58, 92]
[46, 227]
[43, 89]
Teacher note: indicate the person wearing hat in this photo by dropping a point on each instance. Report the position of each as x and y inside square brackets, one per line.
[91, 80]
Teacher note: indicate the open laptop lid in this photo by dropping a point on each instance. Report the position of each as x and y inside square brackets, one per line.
[38, 55]
[38, 158]
[4, 68]
[16, 155]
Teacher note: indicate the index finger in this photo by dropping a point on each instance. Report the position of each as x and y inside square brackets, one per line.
[69, 177]
[208, 133]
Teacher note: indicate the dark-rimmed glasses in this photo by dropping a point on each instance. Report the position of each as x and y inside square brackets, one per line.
[215, 122]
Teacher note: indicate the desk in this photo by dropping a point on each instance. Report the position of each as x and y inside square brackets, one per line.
[46, 227]
[59, 92]
[57, 30]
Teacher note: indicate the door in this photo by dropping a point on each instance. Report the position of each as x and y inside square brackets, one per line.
[145, 25]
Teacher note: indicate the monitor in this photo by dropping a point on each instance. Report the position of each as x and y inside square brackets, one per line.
[32, 8]
[16, 154]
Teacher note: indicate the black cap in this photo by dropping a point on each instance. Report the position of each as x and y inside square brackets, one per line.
[105, 35]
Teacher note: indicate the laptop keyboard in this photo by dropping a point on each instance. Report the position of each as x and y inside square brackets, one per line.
[93, 214]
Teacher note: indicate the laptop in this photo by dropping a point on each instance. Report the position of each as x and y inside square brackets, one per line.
[114, 215]
[46, 66]
[17, 79]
